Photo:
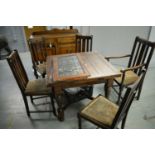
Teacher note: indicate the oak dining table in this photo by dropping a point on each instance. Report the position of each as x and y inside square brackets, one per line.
[76, 70]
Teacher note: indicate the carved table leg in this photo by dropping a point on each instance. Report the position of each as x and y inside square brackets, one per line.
[59, 96]
[60, 110]
[107, 87]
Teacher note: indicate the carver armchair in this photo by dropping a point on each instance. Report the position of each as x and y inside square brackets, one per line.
[140, 56]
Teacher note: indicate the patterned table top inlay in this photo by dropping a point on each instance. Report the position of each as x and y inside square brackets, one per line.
[69, 66]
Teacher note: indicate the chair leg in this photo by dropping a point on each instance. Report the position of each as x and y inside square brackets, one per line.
[43, 75]
[35, 72]
[139, 91]
[31, 98]
[26, 105]
[0, 55]
[123, 123]
[79, 121]
[120, 94]
[53, 106]
[124, 120]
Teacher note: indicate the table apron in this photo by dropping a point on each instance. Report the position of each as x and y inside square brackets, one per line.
[58, 88]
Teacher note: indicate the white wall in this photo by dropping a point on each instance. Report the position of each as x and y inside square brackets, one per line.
[152, 34]
[58, 27]
[117, 39]
[152, 38]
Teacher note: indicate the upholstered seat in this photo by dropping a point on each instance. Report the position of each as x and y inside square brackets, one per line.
[101, 110]
[37, 87]
[130, 77]
[104, 113]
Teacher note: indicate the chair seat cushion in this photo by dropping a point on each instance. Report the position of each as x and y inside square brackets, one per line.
[37, 87]
[41, 68]
[100, 110]
[130, 78]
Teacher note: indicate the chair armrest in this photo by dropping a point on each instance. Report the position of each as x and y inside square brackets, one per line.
[118, 57]
[132, 68]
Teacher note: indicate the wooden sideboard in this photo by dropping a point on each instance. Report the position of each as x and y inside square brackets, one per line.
[62, 39]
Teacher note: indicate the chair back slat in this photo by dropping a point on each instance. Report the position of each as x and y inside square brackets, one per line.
[37, 49]
[141, 53]
[18, 70]
[88, 45]
[84, 43]
[40, 48]
[127, 100]
[145, 54]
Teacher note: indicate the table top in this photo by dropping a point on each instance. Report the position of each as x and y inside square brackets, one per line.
[79, 66]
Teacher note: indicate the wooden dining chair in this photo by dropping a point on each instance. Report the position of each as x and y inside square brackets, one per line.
[141, 55]
[83, 44]
[39, 50]
[106, 114]
[35, 89]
